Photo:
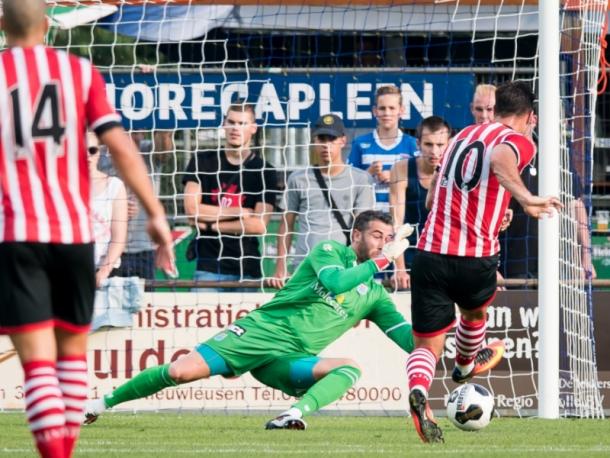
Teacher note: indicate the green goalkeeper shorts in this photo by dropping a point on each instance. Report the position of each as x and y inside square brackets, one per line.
[291, 374]
[245, 345]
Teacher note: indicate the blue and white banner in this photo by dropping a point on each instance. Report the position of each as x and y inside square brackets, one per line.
[191, 100]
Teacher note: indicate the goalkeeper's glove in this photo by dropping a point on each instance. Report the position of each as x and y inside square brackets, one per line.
[395, 248]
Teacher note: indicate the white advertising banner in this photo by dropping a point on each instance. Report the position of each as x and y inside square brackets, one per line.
[172, 324]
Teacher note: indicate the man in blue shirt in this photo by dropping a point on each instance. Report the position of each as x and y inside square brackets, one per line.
[377, 151]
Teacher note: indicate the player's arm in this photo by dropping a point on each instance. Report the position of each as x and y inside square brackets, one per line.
[392, 323]
[326, 259]
[128, 162]
[505, 165]
[328, 263]
[132, 170]
[398, 192]
[118, 235]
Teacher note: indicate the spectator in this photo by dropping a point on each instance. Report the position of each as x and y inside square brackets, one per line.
[349, 188]
[409, 183]
[229, 194]
[377, 151]
[139, 256]
[108, 214]
[483, 103]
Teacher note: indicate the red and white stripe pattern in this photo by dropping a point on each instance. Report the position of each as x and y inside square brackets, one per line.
[72, 376]
[420, 369]
[44, 186]
[465, 220]
[45, 408]
[469, 337]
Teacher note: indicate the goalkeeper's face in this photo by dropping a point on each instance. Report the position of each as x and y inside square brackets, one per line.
[369, 243]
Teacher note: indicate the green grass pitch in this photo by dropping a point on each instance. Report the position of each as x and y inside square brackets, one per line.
[193, 434]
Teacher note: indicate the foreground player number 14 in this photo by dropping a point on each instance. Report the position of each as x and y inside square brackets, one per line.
[46, 120]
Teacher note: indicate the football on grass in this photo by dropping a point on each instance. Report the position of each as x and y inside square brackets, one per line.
[470, 407]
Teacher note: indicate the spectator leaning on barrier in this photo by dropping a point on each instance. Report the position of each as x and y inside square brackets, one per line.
[229, 193]
[377, 151]
[409, 182]
[309, 193]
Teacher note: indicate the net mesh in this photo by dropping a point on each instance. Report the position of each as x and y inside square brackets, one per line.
[173, 68]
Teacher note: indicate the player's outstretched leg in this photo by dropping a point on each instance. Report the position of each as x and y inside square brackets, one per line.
[147, 382]
[420, 372]
[470, 359]
[326, 390]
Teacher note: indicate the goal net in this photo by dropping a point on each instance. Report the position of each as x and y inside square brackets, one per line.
[172, 69]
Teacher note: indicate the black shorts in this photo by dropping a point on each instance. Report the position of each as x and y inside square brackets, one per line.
[46, 284]
[438, 282]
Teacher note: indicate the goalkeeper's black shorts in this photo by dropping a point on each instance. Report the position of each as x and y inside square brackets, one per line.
[46, 284]
[439, 281]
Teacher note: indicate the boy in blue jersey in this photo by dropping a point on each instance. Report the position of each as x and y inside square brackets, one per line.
[377, 151]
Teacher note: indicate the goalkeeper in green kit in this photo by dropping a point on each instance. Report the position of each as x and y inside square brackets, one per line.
[278, 343]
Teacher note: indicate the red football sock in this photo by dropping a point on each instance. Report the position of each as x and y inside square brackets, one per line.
[420, 369]
[72, 375]
[45, 408]
[468, 339]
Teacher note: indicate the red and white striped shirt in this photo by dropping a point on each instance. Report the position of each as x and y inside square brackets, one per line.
[469, 202]
[48, 99]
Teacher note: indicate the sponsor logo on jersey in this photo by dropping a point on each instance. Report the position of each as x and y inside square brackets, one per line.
[329, 298]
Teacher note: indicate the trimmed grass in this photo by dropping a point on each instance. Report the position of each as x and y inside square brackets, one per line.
[193, 434]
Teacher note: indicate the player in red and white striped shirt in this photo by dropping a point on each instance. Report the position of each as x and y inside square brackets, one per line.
[48, 100]
[457, 255]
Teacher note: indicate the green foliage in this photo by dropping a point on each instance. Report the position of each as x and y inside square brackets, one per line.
[198, 434]
[105, 48]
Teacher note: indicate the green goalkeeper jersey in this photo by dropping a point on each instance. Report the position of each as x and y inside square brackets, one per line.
[328, 294]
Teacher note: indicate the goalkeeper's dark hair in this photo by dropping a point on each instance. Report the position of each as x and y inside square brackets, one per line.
[514, 98]
[362, 221]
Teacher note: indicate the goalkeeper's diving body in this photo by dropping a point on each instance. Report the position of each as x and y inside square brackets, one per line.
[278, 343]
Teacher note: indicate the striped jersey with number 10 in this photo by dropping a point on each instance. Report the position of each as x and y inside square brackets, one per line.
[48, 99]
[469, 202]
